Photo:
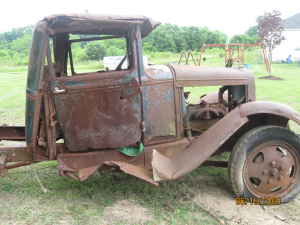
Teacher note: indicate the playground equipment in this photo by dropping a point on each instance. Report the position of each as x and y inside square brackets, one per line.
[234, 54]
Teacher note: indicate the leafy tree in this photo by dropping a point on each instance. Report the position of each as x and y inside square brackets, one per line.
[172, 38]
[243, 38]
[15, 34]
[270, 28]
[249, 37]
[252, 31]
[216, 37]
[95, 51]
[162, 38]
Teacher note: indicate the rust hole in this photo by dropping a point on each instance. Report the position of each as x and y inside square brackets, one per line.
[258, 158]
[279, 149]
[255, 180]
[292, 171]
[282, 151]
[276, 189]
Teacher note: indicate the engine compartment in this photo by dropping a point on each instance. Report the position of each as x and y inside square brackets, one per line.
[210, 108]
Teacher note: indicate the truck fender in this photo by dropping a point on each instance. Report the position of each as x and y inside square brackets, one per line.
[272, 108]
[201, 148]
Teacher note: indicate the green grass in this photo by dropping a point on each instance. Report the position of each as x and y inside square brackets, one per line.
[71, 202]
[12, 95]
[84, 202]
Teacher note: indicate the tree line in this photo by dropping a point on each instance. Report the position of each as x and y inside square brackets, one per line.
[15, 44]
[249, 37]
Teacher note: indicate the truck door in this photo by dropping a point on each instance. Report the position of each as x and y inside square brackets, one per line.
[100, 109]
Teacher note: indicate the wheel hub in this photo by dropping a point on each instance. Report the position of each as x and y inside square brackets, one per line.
[271, 169]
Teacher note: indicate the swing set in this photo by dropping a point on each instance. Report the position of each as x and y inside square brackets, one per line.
[234, 54]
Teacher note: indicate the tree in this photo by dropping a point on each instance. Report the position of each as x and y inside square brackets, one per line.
[249, 37]
[15, 34]
[270, 28]
[173, 38]
[243, 38]
[252, 32]
[95, 51]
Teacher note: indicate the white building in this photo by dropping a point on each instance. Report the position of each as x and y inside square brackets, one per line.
[291, 44]
[111, 62]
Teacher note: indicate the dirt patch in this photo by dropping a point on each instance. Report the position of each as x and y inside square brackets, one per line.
[219, 202]
[126, 211]
[270, 77]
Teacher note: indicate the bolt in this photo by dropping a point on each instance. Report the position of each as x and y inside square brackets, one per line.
[274, 171]
[272, 174]
[270, 181]
[273, 164]
[279, 168]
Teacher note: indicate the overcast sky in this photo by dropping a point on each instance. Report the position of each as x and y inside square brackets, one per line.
[229, 16]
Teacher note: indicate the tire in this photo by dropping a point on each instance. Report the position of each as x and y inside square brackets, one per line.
[265, 163]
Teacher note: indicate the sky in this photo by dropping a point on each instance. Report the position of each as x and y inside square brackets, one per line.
[230, 16]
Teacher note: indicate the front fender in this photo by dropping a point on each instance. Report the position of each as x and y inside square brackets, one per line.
[272, 108]
[201, 148]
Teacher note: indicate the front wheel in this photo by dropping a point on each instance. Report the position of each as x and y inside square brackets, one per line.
[265, 163]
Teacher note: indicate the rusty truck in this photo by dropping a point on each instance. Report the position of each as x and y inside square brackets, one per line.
[138, 119]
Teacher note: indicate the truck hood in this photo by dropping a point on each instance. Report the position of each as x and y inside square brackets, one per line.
[192, 76]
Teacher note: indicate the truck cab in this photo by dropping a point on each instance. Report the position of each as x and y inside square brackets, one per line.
[138, 118]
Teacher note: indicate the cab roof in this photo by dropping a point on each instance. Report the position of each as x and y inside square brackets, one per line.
[96, 24]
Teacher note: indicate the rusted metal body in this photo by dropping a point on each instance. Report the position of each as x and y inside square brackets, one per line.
[176, 166]
[12, 133]
[83, 119]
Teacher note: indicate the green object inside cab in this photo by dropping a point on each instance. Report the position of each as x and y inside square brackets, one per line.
[132, 151]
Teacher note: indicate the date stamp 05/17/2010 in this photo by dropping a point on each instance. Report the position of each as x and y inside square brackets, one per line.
[257, 201]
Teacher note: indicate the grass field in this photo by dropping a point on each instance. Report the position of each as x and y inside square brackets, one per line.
[114, 198]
